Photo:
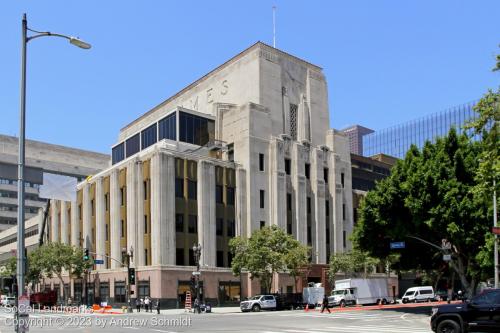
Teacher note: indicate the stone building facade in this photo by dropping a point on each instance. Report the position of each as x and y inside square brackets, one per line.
[247, 145]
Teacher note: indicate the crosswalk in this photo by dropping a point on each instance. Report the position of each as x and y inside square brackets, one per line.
[357, 328]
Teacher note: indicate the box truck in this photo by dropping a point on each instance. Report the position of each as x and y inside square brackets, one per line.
[360, 291]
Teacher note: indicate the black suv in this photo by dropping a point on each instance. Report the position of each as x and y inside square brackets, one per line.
[480, 314]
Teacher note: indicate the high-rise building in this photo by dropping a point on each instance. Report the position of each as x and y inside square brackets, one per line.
[395, 141]
[40, 157]
[355, 134]
[246, 146]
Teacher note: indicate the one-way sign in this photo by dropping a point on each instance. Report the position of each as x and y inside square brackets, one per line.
[397, 245]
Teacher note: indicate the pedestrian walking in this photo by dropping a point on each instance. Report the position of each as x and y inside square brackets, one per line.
[325, 304]
[146, 304]
[138, 304]
[158, 306]
[142, 303]
[197, 306]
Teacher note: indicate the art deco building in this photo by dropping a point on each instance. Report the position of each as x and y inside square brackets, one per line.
[247, 145]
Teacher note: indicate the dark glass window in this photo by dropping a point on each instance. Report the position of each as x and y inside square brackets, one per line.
[133, 145]
[145, 184]
[287, 166]
[145, 224]
[193, 224]
[342, 179]
[167, 127]
[230, 195]
[195, 129]
[219, 225]
[220, 258]
[344, 238]
[122, 196]
[343, 211]
[325, 175]
[327, 208]
[308, 205]
[192, 189]
[118, 153]
[179, 187]
[289, 201]
[122, 228]
[191, 258]
[145, 256]
[218, 194]
[231, 232]
[106, 201]
[107, 233]
[307, 170]
[327, 236]
[262, 198]
[289, 229]
[148, 136]
[262, 224]
[179, 223]
[309, 235]
[120, 291]
[179, 257]
[261, 162]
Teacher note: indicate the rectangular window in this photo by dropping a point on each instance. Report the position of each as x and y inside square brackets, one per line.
[230, 196]
[179, 187]
[145, 224]
[261, 162]
[308, 205]
[107, 233]
[327, 208]
[167, 127]
[293, 121]
[231, 229]
[146, 257]
[309, 235]
[288, 168]
[106, 202]
[119, 291]
[343, 212]
[92, 207]
[289, 228]
[179, 223]
[191, 257]
[133, 145]
[118, 153]
[219, 227]
[262, 224]
[344, 238]
[80, 212]
[145, 184]
[195, 129]
[148, 136]
[193, 224]
[342, 179]
[220, 258]
[262, 198]
[325, 175]
[179, 257]
[122, 196]
[307, 170]
[218, 194]
[192, 189]
[289, 201]
[327, 236]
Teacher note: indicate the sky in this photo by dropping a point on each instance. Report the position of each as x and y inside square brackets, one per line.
[386, 61]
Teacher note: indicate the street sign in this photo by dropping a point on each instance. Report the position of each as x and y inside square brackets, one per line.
[447, 257]
[196, 273]
[98, 261]
[397, 245]
[496, 230]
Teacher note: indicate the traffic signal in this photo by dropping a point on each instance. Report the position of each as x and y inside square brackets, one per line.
[86, 254]
[131, 275]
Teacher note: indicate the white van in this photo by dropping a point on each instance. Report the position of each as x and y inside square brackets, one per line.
[419, 294]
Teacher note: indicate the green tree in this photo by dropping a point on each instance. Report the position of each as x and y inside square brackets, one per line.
[429, 195]
[269, 250]
[354, 263]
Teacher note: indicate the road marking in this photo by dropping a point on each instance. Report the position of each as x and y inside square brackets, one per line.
[130, 327]
[379, 329]
[164, 331]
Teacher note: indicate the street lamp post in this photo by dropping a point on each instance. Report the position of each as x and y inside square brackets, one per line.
[197, 255]
[21, 255]
[128, 256]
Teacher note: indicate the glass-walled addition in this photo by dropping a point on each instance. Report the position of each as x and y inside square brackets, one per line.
[193, 128]
[396, 141]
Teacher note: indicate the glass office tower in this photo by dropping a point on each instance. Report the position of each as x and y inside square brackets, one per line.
[395, 141]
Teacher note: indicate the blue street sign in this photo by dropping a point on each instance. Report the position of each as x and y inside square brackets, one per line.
[98, 261]
[397, 245]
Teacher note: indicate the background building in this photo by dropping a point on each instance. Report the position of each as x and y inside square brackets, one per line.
[355, 134]
[40, 157]
[395, 141]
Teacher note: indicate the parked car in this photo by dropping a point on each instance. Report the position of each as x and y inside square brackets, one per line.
[259, 302]
[480, 314]
[419, 294]
[8, 301]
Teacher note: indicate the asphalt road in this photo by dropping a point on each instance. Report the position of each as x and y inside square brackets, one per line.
[376, 321]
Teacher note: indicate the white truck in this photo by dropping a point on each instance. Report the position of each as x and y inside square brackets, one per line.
[259, 302]
[360, 291]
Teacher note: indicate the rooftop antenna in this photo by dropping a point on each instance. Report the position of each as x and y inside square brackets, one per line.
[274, 26]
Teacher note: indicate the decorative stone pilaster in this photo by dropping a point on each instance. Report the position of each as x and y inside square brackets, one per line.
[206, 213]
[132, 197]
[241, 203]
[277, 176]
[139, 249]
[100, 222]
[114, 203]
[64, 223]
[75, 225]
[87, 217]
[162, 209]
[318, 217]
[300, 157]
